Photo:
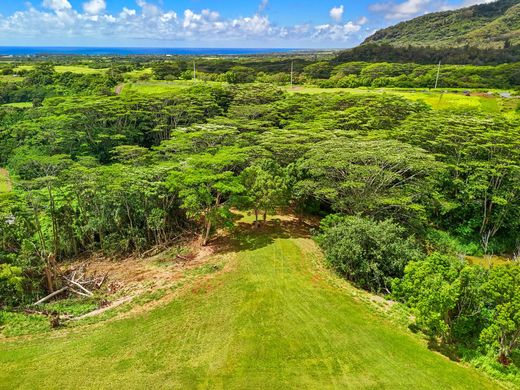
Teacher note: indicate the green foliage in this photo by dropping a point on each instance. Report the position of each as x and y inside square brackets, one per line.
[481, 193]
[11, 284]
[383, 178]
[445, 296]
[72, 306]
[240, 75]
[165, 70]
[318, 70]
[502, 295]
[206, 184]
[19, 324]
[367, 252]
[463, 304]
[266, 187]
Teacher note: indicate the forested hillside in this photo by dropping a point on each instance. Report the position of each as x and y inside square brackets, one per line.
[494, 25]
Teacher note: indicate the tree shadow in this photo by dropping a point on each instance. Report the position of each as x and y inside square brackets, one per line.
[448, 350]
[247, 237]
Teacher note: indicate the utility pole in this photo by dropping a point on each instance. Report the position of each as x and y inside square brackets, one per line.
[194, 73]
[292, 72]
[438, 73]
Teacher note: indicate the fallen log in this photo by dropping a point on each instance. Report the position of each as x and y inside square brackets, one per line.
[52, 295]
[80, 293]
[79, 286]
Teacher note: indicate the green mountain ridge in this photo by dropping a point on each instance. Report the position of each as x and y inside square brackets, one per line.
[490, 26]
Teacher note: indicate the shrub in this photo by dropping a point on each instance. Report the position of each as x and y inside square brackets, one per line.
[11, 281]
[445, 296]
[367, 252]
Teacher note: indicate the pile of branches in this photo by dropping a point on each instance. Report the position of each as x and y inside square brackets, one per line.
[78, 282]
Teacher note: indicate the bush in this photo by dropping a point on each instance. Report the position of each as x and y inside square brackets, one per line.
[445, 296]
[11, 281]
[367, 252]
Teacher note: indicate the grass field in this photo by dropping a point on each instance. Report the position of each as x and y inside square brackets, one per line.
[78, 69]
[66, 68]
[18, 105]
[10, 79]
[274, 318]
[5, 183]
[436, 100]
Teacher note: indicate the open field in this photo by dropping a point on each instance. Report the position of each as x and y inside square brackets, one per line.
[436, 100]
[5, 183]
[136, 74]
[66, 68]
[78, 69]
[10, 79]
[18, 105]
[273, 318]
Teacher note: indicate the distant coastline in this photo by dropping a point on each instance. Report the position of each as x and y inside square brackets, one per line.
[17, 51]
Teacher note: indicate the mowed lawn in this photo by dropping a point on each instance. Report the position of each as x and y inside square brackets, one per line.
[273, 319]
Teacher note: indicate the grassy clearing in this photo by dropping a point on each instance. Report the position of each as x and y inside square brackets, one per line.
[272, 320]
[487, 261]
[78, 69]
[65, 68]
[5, 182]
[23, 67]
[442, 101]
[18, 105]
[437, 100]
[136, 74]
[10, 79]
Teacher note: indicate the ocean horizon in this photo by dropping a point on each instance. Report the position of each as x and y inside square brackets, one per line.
[124, 51]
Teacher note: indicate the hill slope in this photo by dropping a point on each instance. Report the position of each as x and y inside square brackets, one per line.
[275, 319]
[494, 25]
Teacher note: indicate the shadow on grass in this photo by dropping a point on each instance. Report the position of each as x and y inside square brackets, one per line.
[246, 237]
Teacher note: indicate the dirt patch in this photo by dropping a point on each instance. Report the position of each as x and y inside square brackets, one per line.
[118, 89]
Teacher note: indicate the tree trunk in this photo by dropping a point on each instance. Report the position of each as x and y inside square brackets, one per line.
[55, 234]
[206, 235]
[265, 217]
[256, 218]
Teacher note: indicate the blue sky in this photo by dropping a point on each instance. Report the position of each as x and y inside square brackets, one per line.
[205, 23]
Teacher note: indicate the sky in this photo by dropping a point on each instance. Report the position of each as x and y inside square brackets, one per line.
[206, 23]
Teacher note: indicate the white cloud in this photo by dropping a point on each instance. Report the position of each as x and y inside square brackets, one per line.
[94, 7]
[60, 23]
[57, 5]
[411, 8]
[362, 20]
[335, 32]
[336, 13]
[406, 9]
[468, 3]
[263, 5]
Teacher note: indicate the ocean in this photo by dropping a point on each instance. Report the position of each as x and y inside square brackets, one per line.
[125, 51]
